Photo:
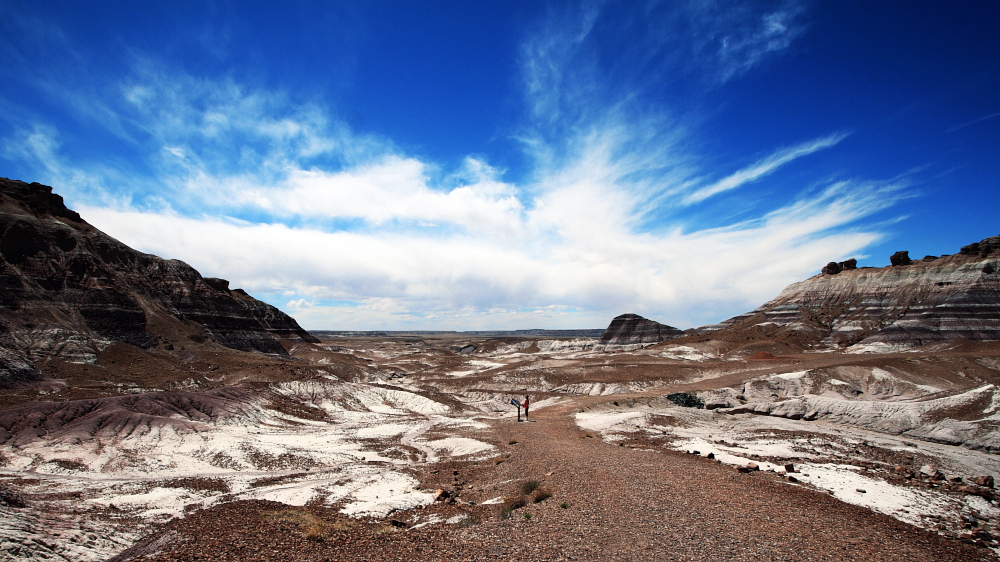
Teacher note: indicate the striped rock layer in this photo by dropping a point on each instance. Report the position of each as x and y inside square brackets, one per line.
[632, 329]
[67, 291]
[899, 306]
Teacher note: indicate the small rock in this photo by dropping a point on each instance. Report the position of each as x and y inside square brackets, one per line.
[792, 479]
[986, 481]
[710, 456]
[398, 524]
[753, 466]
[789, 467]
[931, 472]
[860, 491]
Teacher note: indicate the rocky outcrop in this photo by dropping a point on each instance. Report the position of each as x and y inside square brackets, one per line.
[67, 290]
[632, 329]
[908, 303]
[834, 268]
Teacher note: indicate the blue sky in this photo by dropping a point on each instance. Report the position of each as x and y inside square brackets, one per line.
[476, 165]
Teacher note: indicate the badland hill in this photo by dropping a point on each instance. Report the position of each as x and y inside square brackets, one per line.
[909, 303]
[69, 292]
[632, 329]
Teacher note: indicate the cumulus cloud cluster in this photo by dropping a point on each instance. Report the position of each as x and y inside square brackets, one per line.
[347, 231]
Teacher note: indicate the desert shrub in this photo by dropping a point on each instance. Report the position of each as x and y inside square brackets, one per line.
[312, 527]
[564, 505]
[276, 479]
[510, 503]
[529, 486]
[315, 532]
[541, 495]
[527, 516]
[686, 400]
[198, 483]
[69, 464]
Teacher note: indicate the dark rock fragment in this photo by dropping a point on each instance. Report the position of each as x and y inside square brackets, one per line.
[831, 268]
[986, 481]
[11, 497]
[900, 258]
[217, 284]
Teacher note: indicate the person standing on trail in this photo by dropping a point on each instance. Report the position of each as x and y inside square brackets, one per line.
[514, 402]
[526, 406]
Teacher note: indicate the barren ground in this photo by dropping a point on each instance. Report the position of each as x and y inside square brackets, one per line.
[380, 449]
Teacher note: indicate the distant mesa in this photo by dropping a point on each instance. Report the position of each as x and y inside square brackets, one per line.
[632, 329]
[68, 291]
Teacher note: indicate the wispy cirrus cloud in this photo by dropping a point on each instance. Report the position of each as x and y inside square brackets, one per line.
[763, 167]
[348, 230]
[954, 128]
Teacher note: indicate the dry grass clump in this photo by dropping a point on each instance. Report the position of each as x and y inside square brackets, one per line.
[313, 527]
[510, 503]
[540, 495]
[529, 491]
[529, 486]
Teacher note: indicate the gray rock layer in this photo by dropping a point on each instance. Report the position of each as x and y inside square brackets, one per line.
[632, 329]
[930, 300]
[68, 290]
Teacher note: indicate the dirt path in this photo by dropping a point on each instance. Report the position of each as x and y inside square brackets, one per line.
[628, 504]
[621, 504]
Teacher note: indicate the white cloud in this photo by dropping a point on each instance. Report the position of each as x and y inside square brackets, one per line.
[348, 231]
[763, 167]
[746, 43]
